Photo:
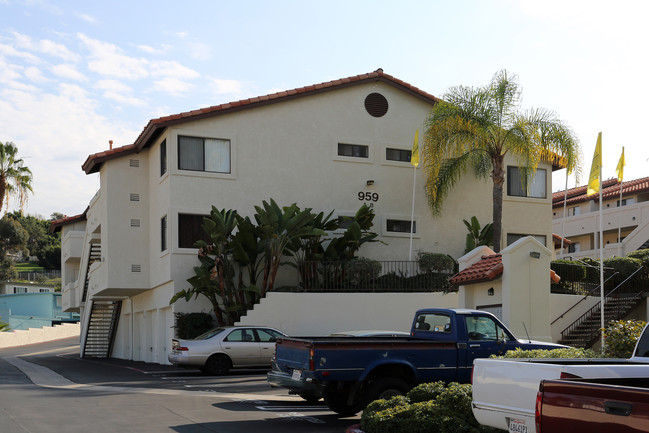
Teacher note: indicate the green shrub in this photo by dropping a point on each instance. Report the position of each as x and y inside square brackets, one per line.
[642, 255]
[435, 262]
[448, 410]
[426, 391]
[570, 352]
[191, 325]
[624, 266]
[621, 337]
[362, 269]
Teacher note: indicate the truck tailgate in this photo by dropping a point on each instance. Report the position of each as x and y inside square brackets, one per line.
[576, 405]
[292, 354]
[505, 389]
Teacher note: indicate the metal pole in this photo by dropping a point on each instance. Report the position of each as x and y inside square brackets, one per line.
[412, 215]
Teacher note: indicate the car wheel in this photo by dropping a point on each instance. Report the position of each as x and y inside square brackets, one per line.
[337, 401]
[386, 388]
[217, 365]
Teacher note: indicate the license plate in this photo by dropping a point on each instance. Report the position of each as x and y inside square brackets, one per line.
[297, 375]
[517, 426]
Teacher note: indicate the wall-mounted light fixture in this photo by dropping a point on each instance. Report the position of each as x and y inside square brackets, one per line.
[490, 292]
[535, 254]
[370, 182]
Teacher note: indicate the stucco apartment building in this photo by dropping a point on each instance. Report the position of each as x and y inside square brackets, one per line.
[329, 146]
[625, 222]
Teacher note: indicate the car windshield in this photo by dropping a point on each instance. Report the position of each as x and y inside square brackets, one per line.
[209, 334]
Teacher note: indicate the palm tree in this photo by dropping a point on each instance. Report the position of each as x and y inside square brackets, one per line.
[15, 178]
[476, 127]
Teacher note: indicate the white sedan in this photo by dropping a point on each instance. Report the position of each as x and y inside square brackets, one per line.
[221, 349]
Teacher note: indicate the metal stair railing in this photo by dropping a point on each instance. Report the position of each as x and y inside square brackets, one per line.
[629, 301]
[102, 327]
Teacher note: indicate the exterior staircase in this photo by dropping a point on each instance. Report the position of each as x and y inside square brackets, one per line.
[618, 303]
[100, 336]
[93, 255]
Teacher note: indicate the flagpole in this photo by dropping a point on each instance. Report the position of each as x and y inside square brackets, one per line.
[619, 227]
[563, 220]
[414, 160]
[620, 176]
[601, 256]
[412, 214]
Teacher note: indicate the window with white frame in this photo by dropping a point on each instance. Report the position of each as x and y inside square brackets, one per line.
[519, 186]
[353, 150]
[163, 233]
[574, 247]
[163, 158]
[203, 154]
[190, 230]
[400, 226]
[403, 155]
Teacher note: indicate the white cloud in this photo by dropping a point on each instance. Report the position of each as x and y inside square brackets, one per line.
[87, 18]
[69, 129]
[120, 92]
[108, 60]
[69, 72]
[172, 86]
[200, 51]
[35, 74]
[172, 69]
[45, 46]
[149, 50]
[10, 51]
[224, 87]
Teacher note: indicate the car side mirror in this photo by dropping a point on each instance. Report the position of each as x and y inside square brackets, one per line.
[273, 339]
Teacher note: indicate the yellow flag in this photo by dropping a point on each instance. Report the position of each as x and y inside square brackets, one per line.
[414, 158]
[620, 166]
[594, 181]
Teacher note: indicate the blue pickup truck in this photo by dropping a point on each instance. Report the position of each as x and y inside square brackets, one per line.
[350, 372]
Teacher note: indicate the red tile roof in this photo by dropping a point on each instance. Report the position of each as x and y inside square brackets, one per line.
[58, 224]
[487, 269]
[557, 241]
[156, 126]
[610, 189]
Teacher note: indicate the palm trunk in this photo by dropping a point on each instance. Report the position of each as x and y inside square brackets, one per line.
[498, 177]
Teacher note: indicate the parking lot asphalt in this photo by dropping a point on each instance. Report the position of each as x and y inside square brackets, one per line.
[58, 364]
[133, 396]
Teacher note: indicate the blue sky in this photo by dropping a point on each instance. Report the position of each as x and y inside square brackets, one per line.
[76, 74]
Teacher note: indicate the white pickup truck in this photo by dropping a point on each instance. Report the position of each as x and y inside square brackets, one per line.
[505, 390]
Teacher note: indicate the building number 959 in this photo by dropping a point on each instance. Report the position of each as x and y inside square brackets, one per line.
[368, 196]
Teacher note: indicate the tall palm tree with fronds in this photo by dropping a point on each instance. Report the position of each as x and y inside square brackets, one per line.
[475, 128]
[15, 178]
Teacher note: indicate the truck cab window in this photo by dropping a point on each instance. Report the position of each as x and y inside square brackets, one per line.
[433, 323]
[484, 329]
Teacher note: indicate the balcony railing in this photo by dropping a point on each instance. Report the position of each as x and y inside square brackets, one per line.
[372, 276]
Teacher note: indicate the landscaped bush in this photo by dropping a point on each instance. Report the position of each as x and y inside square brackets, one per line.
[190, 325]
[569, 352]
[435, 262]
[642, 255]
[362, 270]
[624, 266]
[621, 337]
[445, 409]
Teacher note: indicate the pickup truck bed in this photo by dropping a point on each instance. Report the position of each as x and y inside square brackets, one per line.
[619, 405]
[505, 390]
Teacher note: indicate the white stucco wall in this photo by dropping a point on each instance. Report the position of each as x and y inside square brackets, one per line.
[318, 314]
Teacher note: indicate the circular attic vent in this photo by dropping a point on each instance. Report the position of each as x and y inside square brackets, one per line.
[376, 104]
